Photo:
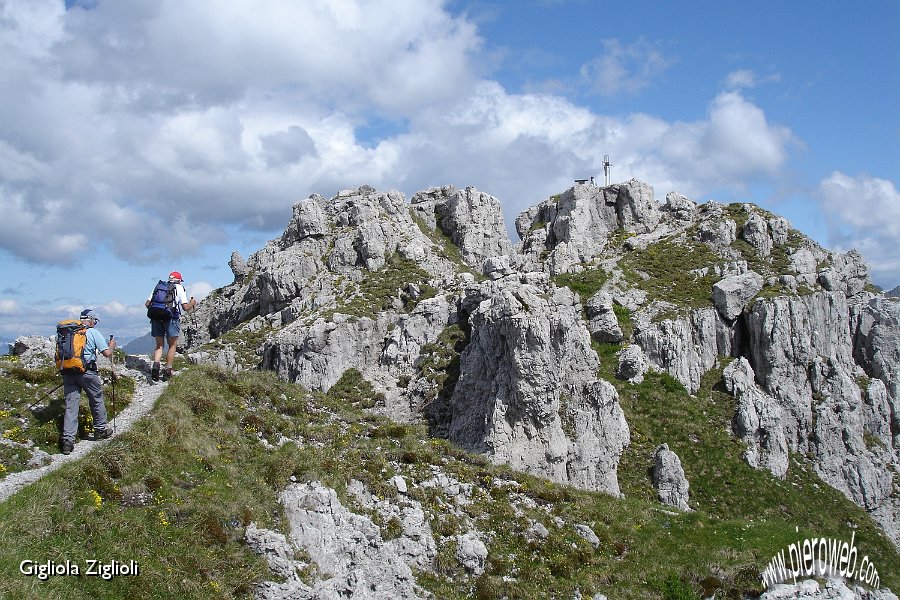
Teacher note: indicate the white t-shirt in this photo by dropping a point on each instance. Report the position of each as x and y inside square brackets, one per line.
[180, 297]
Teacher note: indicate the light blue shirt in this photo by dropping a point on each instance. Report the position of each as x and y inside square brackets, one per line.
[94, 342]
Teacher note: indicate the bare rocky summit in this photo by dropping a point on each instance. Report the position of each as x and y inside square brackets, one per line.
[490, 342]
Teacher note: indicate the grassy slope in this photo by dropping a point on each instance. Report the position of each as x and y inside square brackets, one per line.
[204, 475]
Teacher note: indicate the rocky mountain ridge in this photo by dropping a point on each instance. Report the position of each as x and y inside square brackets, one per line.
[493, 343]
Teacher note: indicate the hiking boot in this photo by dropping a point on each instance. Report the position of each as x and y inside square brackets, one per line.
[102, 434]
[167, 374]
[66, 447]
[154, 372]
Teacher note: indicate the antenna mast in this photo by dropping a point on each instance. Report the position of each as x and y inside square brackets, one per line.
[606, 169]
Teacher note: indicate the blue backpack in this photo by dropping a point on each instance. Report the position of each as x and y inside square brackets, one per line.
[162, 302]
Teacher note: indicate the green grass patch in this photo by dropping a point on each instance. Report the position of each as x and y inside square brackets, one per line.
[586, 283]
[353, 387]
[446, 247]
[744, 515]
[176, 492]
[32, 402]
[438, 364]
[667, 269]
[379, 290]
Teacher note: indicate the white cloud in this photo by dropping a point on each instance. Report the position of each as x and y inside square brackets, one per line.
[864, 213]
[734, 143]
[745, 78]
[166, 124]
[8, 307]
[625, 69]
[199, 289]
[527, 147]
[165, 120]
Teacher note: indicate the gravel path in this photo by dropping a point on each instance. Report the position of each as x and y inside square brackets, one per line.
[145, 396]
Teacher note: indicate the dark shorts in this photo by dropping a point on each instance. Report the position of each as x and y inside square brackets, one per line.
[166, 329]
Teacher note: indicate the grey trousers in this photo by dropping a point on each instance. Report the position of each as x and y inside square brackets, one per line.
[92, 384]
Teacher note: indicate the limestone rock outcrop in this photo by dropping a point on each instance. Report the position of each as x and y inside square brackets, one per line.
[452, 324]
[669, 480]
[347, 547]
[513, 402]
[758, 420]
[472, 219]
[572, 228]
[33, 350]
[602, 321]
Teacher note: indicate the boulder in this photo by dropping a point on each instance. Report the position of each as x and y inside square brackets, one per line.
[602, 321]
[632, 364]
[471, 552]
[731, 294]
[668, 478]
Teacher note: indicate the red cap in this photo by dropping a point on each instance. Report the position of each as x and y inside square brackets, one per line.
[175, 275]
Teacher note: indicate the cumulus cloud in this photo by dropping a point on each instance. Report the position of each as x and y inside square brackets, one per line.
[531, 146]
[735, 143]
[172, 125]
[171, 119]
[625, 68]
[863, 212]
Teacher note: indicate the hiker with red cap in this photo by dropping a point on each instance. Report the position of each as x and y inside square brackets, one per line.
[164, 308]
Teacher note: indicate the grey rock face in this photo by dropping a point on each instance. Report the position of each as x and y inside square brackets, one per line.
[33, 350]
[472, 219]
[849, 273]
[756, 233]
[567, 230]
[680, 206]
[731, 294]
[309, 219]
[513, 402]
[383, 348]
[632, 364]
[668, 478]
[348, 549]
[816, 374]
[686, 348]
[602, 321]
[758, 420]
[802, 353]
[238, 267]
[715, 228]
[876, 346]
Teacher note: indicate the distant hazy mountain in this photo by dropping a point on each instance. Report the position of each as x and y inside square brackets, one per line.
[142, 345]
[894, 292]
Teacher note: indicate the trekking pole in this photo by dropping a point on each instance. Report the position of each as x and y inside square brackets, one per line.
[44, 396]
[112, 365]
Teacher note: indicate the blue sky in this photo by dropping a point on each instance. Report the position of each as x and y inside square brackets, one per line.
[145, 136]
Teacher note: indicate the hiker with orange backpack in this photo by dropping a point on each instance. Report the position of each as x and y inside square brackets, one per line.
[78, 343]
[164, 308]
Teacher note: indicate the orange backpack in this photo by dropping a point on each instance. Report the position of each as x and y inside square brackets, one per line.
[71, 337]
